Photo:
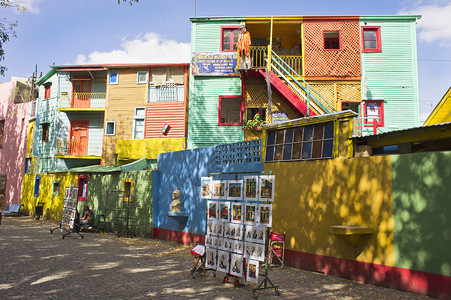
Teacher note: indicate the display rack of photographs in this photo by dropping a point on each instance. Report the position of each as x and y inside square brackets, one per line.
[239, 215]
[68, 217]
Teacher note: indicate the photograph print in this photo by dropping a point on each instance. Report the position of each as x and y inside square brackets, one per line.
[236, 265]
[251, 188]
[235, 189]
[265, 215]
[252, 271]
[224, 211]
[219, 189]
[211, 258]
[237, 213]
[206, 187]
[250, 214]
[212, 210]
[266, 187]
[223, 261]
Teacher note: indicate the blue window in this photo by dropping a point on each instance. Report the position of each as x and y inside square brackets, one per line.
[113, 77]
[37, 183]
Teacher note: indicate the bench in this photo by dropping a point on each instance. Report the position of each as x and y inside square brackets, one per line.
[95, 224]
[13, 209]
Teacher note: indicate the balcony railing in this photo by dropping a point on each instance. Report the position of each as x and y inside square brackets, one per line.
[82, 100]
[166, 93]
[259, 55]
[78, 148]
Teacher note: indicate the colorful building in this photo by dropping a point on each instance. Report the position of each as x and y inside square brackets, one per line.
[14, 114]
[441, 112]
[316, 65]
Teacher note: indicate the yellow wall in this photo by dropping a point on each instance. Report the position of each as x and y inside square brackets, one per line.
[442, 112]
[122, 99]
[30, 138]
[312, 196]
[148, 148]
[53, 205]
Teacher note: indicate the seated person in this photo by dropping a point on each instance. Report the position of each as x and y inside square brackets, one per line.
[87, 217]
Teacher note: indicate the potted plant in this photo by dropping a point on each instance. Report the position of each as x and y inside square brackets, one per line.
[255, 123]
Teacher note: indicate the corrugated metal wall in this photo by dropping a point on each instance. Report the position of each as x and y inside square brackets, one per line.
[392, 75]
[159, 113]
[203, 129]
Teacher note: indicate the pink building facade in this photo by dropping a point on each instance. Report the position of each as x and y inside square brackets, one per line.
[13, 141]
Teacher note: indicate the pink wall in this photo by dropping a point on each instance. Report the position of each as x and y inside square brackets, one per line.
[12, 154]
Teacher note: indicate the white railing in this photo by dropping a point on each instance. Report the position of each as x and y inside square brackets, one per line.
[78, 148]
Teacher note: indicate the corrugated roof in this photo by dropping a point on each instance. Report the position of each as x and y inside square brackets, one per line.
[141, 164]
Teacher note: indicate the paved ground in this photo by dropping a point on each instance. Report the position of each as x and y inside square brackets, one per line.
[38, 265]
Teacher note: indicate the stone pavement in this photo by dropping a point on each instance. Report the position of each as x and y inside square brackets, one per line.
[35, 264]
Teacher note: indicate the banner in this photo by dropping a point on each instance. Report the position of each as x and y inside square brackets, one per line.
[214, 64]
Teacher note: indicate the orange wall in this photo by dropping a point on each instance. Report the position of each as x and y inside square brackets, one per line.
[159, 113]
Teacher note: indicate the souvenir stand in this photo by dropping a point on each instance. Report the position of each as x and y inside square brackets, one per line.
[239, 218]
[69, 217]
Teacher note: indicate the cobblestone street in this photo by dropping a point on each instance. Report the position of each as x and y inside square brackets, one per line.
[36, 264]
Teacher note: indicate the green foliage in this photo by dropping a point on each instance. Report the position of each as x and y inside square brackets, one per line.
[7, 28]
[254, 124]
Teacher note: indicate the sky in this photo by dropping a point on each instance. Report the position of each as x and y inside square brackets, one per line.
[101, 31]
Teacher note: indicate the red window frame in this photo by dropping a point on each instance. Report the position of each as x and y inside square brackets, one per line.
[241, 111]
[380, 123]
[81, 180]
[47, 88]
[378, 39]
[232, 27]
[339, 40]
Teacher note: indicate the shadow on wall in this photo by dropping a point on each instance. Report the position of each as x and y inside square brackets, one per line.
[421, 205]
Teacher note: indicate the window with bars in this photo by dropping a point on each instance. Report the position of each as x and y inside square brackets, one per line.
[300, 143]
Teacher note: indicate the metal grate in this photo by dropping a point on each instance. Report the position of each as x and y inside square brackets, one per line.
[238, 153]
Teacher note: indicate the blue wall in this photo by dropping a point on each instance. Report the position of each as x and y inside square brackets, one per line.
[182, 170]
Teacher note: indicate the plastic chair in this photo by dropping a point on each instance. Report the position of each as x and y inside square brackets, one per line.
[277, 248]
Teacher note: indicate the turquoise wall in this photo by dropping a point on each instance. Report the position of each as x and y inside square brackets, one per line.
[421, 208]
[204, 92]
[392, 75]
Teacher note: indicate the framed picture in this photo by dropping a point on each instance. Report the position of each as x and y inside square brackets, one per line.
[252, 271]
[236, 231]
[250, 213]
[223, 261]
[224, 211]
[266, 187]
[206, 187]
[237, 246]
[208, 241]
[74, 195]
[237, 213]
[265, 215]
[258, 252]
[214, 242]
[212, 210]
[219, 229]
[251, 188]
[220, 243]
[235, 190]
[211, 229]
[67, 193]
[236, 264]
[211, 258]
[227, 245]
[248, 249]
[259, 234]
[219, 189]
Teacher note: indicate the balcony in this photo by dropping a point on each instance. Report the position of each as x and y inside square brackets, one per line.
[260, 53]
[82, 101]
[77, 148]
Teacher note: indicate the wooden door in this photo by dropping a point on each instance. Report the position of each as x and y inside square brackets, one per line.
[79, 138]
[81, 93]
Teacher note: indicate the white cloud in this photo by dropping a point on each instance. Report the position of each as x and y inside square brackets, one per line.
[435, 23]
[151, 48]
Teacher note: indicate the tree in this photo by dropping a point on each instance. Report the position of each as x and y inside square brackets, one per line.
[7, 29]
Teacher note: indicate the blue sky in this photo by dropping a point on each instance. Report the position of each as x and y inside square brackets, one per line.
[91, 31]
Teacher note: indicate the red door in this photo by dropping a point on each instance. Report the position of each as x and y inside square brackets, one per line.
[79, 138]
[81, 93]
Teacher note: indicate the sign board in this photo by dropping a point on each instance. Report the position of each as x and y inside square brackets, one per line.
[214, 64]
[279, 117]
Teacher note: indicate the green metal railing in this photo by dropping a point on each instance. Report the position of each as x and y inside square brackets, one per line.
[304, 90]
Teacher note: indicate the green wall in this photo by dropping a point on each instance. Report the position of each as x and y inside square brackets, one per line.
[104, 198]
[203, 129]
[392, 75]
[421, 211]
